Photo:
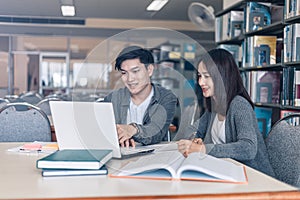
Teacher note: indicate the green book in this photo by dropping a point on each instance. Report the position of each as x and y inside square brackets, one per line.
[75, 159]
[74, 172]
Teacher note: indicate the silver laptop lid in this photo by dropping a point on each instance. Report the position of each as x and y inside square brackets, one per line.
[85, 125]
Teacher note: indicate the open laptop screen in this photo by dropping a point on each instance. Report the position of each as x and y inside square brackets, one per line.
[85, 125]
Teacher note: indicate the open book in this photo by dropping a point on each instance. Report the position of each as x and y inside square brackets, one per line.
[172, 165]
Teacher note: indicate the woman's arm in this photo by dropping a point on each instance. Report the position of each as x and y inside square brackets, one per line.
[241, 130]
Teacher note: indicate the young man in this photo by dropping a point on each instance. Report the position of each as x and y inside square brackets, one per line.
[143, 110]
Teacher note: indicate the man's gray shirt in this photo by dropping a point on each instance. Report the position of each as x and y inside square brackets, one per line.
[157, 118]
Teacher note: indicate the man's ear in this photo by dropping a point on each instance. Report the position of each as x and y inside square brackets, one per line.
[150, 69]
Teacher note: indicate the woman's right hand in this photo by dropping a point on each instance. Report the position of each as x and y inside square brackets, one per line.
[189, 146]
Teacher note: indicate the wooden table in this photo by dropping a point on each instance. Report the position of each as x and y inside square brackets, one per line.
[21, 180]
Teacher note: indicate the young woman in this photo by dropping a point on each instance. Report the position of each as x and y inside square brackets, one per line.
[228, 129]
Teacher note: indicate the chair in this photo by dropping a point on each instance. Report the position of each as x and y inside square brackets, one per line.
[13, 98]
[26, 125]
[189, 114]
[3, 102]
[31, 97]
[45, 106]
[283, 145]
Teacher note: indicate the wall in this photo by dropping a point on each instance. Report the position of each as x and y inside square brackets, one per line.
[227, 3]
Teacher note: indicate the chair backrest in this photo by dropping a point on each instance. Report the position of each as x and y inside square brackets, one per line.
[31, 97]
[13, 98]
[283, 145]
[3, 102]
[188, 116]
[45, 106]
[23, 125]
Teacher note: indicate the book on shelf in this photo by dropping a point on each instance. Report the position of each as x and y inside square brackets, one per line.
[189, 51]
[74, 172]
[292, 8]
[297, 88]
[291, 43]
[172, 165]
[284, 87]
[264, 86]
[279, 50]
[268, 86]
[170, 51]
[235, 23]
[295, 42]
[257, 16]
[293, 82]
[264, 119]
[219, 29]
[75, 159]
[224, 27]
[289, 81]
[264, 92]
[250, 83]
[287, 45]
[295, 121]
[260, 50]
[235, 50]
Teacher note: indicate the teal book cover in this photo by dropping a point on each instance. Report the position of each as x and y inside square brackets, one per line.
[264, 119]
[75, 159]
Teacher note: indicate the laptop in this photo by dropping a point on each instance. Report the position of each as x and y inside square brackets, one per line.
[89, 125]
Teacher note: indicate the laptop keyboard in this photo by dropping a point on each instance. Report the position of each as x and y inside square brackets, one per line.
[131, 150]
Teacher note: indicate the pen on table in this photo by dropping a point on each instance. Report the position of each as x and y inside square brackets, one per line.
[29, 150]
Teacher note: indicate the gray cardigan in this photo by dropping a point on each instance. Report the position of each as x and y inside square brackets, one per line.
[157, 118]
[244, 142]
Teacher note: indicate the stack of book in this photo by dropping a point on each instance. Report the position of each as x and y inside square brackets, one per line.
[70, 162]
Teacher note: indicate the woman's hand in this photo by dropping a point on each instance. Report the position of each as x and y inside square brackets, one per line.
[189, 146]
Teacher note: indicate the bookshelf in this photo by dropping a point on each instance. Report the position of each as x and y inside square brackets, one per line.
[286, 100]
[174, 70]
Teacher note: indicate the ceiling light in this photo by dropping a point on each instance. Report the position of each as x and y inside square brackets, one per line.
[68, 10]
[156, 5]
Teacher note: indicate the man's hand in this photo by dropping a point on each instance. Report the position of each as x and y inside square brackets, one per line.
[125, 133]
[128, 143]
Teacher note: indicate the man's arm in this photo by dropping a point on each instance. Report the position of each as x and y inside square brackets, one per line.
[158, 120]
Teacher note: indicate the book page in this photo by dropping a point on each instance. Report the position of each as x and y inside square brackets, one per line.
[211, 168]
[160, 165]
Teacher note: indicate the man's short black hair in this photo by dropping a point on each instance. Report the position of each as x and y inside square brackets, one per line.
[133, 52]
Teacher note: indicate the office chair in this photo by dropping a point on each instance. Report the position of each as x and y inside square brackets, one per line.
[283, 144]
[25, 125]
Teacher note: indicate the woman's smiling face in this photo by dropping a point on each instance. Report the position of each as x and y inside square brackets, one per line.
[205, 81]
